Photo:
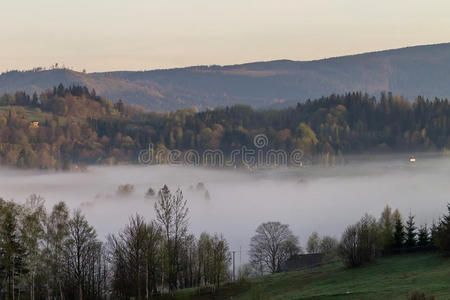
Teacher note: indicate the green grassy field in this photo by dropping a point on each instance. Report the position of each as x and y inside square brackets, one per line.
[31, 114]
[389, 278]
[34, 114]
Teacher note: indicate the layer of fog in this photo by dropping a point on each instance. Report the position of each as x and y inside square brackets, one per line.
[308, 199]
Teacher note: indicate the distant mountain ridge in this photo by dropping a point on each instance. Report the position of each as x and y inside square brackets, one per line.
[411, 71]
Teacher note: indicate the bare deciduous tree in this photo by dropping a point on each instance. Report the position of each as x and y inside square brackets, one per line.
[270, 246]
[58, 256]
[57, 232]
[313, 245]
[172, 214]
[80, 248]
[328, 244]
[360, 242]
[32, 231]
[132, 254]
[329, 247]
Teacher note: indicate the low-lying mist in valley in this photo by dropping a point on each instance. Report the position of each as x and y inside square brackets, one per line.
[308, 199]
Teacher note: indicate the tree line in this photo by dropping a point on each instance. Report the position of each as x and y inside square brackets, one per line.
[58, 254]
[369, 238]
[361, 243]
[76, 126]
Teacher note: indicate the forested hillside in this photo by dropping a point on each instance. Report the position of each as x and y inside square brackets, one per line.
[412, 71]
[66, 126]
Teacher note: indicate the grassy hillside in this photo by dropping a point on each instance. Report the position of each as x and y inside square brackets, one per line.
[29, 113]
[389, 278]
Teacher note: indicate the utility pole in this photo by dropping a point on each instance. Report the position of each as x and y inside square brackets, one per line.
[234, 274]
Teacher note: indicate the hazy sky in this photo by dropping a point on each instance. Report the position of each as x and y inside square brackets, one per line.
[102, 35]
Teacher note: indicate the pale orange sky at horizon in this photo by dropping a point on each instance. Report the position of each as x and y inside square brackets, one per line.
[107, 35]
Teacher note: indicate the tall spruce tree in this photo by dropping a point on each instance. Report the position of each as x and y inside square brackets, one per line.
[423, 236]
[399, 233]
[411, 232]
[443, 234]
[433, 233]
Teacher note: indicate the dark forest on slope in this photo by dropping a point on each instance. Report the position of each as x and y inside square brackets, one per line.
[66, 126]
[411, 71]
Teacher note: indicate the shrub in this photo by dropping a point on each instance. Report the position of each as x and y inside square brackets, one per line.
[200, 186]
[125, 189]
[329, 247]
[360, 242]
[245, 272]
[416, 295]
[150, 193]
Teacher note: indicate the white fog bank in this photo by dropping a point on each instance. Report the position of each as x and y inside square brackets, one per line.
[308, 199]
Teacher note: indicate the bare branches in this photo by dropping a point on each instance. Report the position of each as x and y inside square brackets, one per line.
[271, 245]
